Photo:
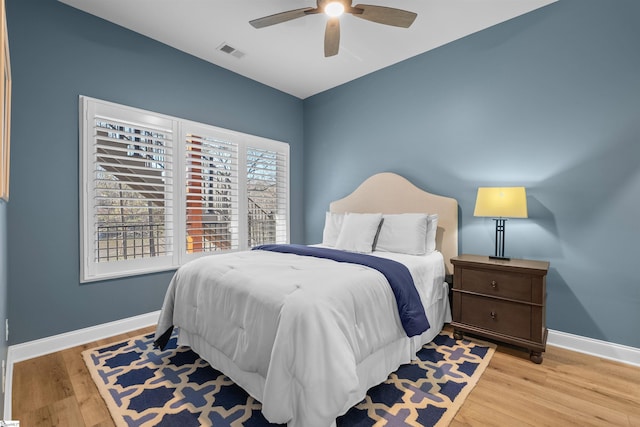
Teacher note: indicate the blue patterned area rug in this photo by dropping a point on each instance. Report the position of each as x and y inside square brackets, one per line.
[143, 386]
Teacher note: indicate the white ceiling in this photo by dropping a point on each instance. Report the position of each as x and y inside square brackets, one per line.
[289, 56]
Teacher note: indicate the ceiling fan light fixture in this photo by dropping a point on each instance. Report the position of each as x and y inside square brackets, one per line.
[334, 9]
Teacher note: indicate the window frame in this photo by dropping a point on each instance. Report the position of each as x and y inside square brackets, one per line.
[92, 270]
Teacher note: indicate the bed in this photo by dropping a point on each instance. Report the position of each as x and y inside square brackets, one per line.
[306, 335]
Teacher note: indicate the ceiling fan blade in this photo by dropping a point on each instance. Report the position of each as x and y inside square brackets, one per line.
[332, 37]
[279, 17]
[386, 15]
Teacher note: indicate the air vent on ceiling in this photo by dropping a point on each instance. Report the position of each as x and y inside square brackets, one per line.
[224, 47]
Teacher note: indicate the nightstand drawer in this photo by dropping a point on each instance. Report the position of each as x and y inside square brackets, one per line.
[499, 316]
[496, 283]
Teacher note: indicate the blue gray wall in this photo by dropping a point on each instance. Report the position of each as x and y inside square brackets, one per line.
[57, 54]
[549, 100]
[3, 290]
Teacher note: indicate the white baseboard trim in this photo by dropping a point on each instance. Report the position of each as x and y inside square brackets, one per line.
[606, 350]
[29, 350]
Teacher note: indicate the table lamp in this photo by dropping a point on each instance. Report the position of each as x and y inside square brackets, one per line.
[501, 203]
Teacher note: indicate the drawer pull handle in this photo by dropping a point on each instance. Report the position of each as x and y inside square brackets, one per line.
[493, 315]
[494, 284]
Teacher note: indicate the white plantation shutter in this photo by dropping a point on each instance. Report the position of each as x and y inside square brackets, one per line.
[211, 194]
[157, 191]
[128, 191]
[267, 201]
[133, 186]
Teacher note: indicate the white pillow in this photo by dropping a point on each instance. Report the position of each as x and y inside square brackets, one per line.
[432, 228]
[403, 233]
[332, 226]
[358, 232]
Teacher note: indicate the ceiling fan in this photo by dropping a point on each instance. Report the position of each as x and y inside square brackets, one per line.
[335, 8]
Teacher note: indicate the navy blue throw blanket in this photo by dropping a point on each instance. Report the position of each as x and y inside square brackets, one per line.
[412, 315]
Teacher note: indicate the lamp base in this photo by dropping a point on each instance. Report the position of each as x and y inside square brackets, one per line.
[500, 227]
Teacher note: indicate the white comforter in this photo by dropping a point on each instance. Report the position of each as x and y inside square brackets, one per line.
[301, 323]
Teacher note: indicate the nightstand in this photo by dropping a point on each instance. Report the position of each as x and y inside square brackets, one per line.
[502, 300]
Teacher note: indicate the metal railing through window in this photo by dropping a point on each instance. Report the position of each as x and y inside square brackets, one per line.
[124, 241]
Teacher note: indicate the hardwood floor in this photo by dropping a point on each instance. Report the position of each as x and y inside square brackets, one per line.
[568, 388]
[57, 389]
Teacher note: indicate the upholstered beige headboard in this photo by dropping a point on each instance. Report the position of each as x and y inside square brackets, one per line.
[389, 193]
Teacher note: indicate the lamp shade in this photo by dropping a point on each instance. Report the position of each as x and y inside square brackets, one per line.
[501, 202]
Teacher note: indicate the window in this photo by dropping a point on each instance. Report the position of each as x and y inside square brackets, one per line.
[157, 191]
[211, 206]
[267, 210]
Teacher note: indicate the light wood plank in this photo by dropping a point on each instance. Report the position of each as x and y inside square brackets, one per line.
[66, 412]
[40, 382]
[564, 390]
